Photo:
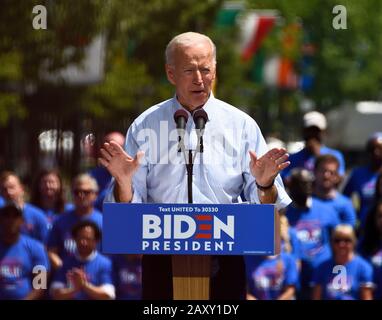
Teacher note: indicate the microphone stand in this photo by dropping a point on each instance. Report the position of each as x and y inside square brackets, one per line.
[191, 273]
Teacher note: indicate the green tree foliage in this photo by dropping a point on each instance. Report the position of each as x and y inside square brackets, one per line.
[346, 61]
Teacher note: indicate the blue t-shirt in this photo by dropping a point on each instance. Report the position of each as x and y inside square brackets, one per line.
[358, 273]
[35, 223]
[98, 271]
[305, 159]
[52, 215]
[376, 262]
[343, 206]
[2, 202]
[127, 275]
[268, 277]
[16, 267]
[60, 236]
[362, 182]
[313, 228]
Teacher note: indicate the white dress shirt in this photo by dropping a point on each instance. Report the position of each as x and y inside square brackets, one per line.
[220, 174]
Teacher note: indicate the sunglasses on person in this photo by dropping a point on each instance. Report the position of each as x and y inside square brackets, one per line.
[346, 240]
[82, 192]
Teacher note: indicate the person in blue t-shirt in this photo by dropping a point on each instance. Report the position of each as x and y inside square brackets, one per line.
[271, 278]
[101, 174]
[48, 195]
[325, 188]
[35, 223]
[313, 223]
[88, 274]
[371, 244]
[22, 259]
[345, 276]
[362, 180]
[60, 242]
[313, 134]
[127, 275]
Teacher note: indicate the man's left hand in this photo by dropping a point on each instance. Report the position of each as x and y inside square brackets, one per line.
[266, 168]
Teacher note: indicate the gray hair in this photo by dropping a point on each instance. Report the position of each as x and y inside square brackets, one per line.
[184, 40]
[86, 178]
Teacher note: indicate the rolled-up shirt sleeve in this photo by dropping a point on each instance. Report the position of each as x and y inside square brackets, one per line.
[254, 140]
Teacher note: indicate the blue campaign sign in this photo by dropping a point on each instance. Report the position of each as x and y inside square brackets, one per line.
[203, 229]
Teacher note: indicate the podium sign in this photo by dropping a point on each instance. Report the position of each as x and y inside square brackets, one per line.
[190, 229]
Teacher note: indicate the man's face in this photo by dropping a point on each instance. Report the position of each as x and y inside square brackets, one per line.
[10, 223]
[83, 195]
[300, 187]
[376, 150]
[50, 185]
[192, 73]
[312, 132]
[86, 241]
[11, 189]
[327, 176]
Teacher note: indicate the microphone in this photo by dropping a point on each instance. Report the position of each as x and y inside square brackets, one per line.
[200, 118]
[180, 117]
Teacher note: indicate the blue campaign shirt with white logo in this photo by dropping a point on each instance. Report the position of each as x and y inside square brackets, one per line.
[313, 228]
[376, 262]
[16, 267]
[305, 159]
[127, 275]
[362, 181]
[267, 278]
[60, 235]
[358, 274]
[98, 270]
[220, 174]
[343, 206]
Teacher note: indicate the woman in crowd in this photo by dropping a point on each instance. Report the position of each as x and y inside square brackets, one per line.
[345, 276]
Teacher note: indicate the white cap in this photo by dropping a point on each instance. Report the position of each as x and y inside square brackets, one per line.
[315, 119]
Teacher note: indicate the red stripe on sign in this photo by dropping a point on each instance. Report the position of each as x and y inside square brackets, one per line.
[203, 217]
[205, 227]
[203, 236]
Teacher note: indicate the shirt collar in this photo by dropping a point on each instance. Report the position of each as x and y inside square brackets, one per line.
[88, 258]
[207, 106]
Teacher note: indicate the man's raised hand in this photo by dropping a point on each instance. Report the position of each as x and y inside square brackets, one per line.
[119, 164]
[266, 168]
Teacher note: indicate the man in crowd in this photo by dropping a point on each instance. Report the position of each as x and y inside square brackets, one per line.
[24, 264]
[88, 274]
[60, 242]
[35, 222]
[325, 189]
[101, 175]
[314, 126]
[362, 180]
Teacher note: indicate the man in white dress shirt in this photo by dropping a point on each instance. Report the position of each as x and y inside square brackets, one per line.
[235, 159]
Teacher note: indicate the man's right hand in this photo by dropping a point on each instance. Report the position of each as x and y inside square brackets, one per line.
[121, 166]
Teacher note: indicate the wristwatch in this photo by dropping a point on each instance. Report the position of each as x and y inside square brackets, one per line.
[263, 188]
